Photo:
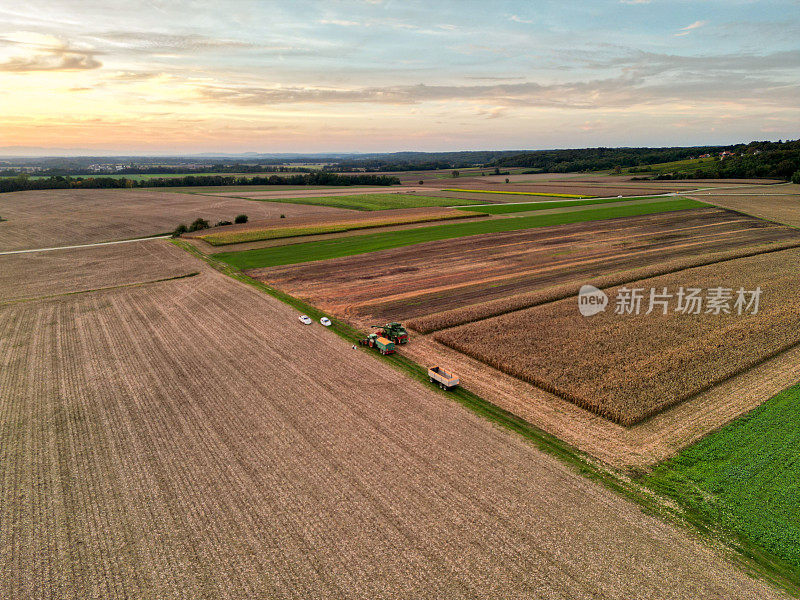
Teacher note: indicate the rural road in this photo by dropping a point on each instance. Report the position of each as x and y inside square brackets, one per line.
[158, 237]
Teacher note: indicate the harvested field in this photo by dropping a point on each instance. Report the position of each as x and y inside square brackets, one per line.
[49, 218]
[628, 367]
[146, 455]
[780, 208]
[479, 277]
[283, 228]
[36, 274]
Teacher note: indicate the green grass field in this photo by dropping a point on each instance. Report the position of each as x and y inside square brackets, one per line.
[347, 246]
[375, 201]
[746, 477]
[502, 209]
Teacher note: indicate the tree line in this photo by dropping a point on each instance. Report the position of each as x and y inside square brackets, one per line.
[778, 160]
[17, 184]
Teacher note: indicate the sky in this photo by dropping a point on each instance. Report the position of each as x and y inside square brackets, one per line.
[184, 76]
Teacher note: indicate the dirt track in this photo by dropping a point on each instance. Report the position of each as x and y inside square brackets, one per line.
[191, 439]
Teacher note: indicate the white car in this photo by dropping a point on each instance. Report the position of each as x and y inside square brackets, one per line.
[325, 321]
[305, 319]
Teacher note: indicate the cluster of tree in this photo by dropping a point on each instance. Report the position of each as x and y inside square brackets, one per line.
[773, 160]
[418, 161]
[597, 159]
[756, 159]
[16, 184]
[200, 223]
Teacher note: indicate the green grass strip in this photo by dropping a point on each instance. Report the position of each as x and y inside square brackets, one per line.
[549, 195]
[502, 209]
[347, 246]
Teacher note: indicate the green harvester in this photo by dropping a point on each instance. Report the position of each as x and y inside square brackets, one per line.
[393, 331]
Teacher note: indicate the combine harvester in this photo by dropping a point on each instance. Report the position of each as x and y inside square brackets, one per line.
[393, 331]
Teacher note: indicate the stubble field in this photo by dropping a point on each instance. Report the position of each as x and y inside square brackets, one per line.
[37, 274]
[782, 208]
[190, 439]
[50, 218]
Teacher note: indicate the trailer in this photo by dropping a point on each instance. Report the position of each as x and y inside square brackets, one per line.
[383, 345]
[445, 379]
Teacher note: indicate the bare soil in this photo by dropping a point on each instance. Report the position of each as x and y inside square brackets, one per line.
[191, 439]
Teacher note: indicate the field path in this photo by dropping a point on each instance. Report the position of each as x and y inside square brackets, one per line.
[158, 237]
[191, 439]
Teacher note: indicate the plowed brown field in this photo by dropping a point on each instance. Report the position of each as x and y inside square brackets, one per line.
[50, 218]
[628, 367]
[457, 281]
[190, 439]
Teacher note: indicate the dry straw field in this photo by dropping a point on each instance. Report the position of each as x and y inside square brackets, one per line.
[191, 439]
[628, 367]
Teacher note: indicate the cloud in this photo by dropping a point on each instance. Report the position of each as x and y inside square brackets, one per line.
[340, 22]
[623, 91]
[46, 53]
[518, 19]
[688, 29]
[634, 1]
[152, 42]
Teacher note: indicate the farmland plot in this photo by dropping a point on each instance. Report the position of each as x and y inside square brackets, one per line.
[36, 274]
[782, 208]
[191, 439]
[283, 228]
[48, 218]
[451, 282]
[628, 367]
